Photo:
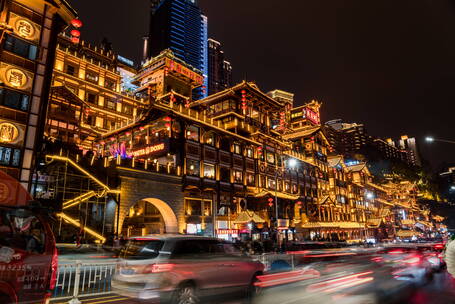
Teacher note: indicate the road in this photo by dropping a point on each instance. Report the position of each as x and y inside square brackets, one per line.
[440, 291]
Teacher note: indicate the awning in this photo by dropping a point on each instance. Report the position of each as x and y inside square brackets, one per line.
[346, 225]
[408, 222]
[351, 225]
[406, 233]
[248, 216]
[278, 194]
[383, 201]
[425, 223]
[374, 223]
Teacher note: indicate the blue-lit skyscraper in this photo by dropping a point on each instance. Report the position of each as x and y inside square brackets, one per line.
[179, 25]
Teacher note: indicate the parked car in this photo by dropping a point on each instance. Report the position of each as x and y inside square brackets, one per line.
[28, 256]
[184, 269]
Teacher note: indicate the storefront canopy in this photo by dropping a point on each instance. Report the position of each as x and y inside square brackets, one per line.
[278, 194]
[248, 216]
[406, 233]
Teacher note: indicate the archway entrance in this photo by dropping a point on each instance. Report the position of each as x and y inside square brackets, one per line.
[150, 216]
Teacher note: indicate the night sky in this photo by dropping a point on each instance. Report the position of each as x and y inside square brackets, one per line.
[388, 64]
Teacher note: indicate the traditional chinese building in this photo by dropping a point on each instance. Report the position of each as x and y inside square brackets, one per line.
[29, 30]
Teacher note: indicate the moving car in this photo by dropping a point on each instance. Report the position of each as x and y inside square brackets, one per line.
[28, 256]
[183, 269]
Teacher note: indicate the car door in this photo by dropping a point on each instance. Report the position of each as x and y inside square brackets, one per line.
[193, 261]
[237, 269]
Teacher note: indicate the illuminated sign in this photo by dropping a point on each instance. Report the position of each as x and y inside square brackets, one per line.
[24, 27]
[148, 150]
[311, 116]
[9, 133]
[177, 67]
[227, 231]
[15, 77]
[125, 60]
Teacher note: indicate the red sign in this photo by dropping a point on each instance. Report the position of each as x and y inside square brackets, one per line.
[311, 116]
[148, 150]
[227, 231]
[176, 67]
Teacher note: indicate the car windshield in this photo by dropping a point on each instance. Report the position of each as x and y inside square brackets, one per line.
[141, 249]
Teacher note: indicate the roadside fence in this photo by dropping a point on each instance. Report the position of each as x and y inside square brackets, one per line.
[83, 279]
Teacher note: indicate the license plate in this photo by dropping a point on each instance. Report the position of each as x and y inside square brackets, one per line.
[127, 271]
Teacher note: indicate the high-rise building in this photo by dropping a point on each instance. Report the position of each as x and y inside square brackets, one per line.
[220, 70]
[180, 26]
[28, 36]
[409, 145]
[346, 138]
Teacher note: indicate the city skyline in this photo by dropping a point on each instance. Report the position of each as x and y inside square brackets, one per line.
[394, 64]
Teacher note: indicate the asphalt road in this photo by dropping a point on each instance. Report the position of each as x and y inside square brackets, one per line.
[440, 291]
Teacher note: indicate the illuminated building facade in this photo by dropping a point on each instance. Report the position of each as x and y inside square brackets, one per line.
[89, 96]
[180, 26]
[235, 164]
[29, 31]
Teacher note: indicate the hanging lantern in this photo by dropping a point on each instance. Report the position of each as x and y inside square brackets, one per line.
[75, 33]
[167, 118]
[75, 40]
[102, 142]
[76, 23]
[270, 200]
[141, 128]
[270, 204]
[112, 138]
[167, 125]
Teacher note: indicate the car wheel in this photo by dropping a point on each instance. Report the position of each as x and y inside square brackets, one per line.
[185, 294]
[252, 291]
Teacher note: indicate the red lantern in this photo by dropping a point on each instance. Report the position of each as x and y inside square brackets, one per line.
[112, 138]
[75, 40]
[270, 204]
[299, 203]
[167, 118]
[128, 133]
[141, 128]
[167, 125]
[75, 33]
[270, 200]
[76, 23]
[102, 142]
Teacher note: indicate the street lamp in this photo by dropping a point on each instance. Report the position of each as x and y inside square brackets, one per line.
[430, 139]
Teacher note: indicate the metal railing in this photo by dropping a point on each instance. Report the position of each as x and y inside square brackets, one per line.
[83, 279]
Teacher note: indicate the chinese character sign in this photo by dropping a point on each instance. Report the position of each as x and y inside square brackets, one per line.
[8, 133]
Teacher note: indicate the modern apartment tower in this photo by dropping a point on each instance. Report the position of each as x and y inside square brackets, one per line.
[180, 26]
[220, 70]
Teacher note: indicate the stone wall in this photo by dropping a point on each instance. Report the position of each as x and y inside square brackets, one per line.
[139, 185]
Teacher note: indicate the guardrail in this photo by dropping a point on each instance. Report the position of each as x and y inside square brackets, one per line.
[83, 279]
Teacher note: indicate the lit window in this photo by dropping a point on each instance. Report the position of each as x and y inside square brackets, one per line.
[192, 133]
[270, 157]
[193, 207]
[210, 139]
[192, 167]
[238, 177]
[92, 77]
[237, 148]
[209, 171]
[250, 179]
[271, 183]
[249, 152]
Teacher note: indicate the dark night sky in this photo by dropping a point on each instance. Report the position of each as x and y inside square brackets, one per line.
[388, 64]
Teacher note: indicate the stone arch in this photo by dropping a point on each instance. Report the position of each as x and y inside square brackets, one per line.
[169, 217]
